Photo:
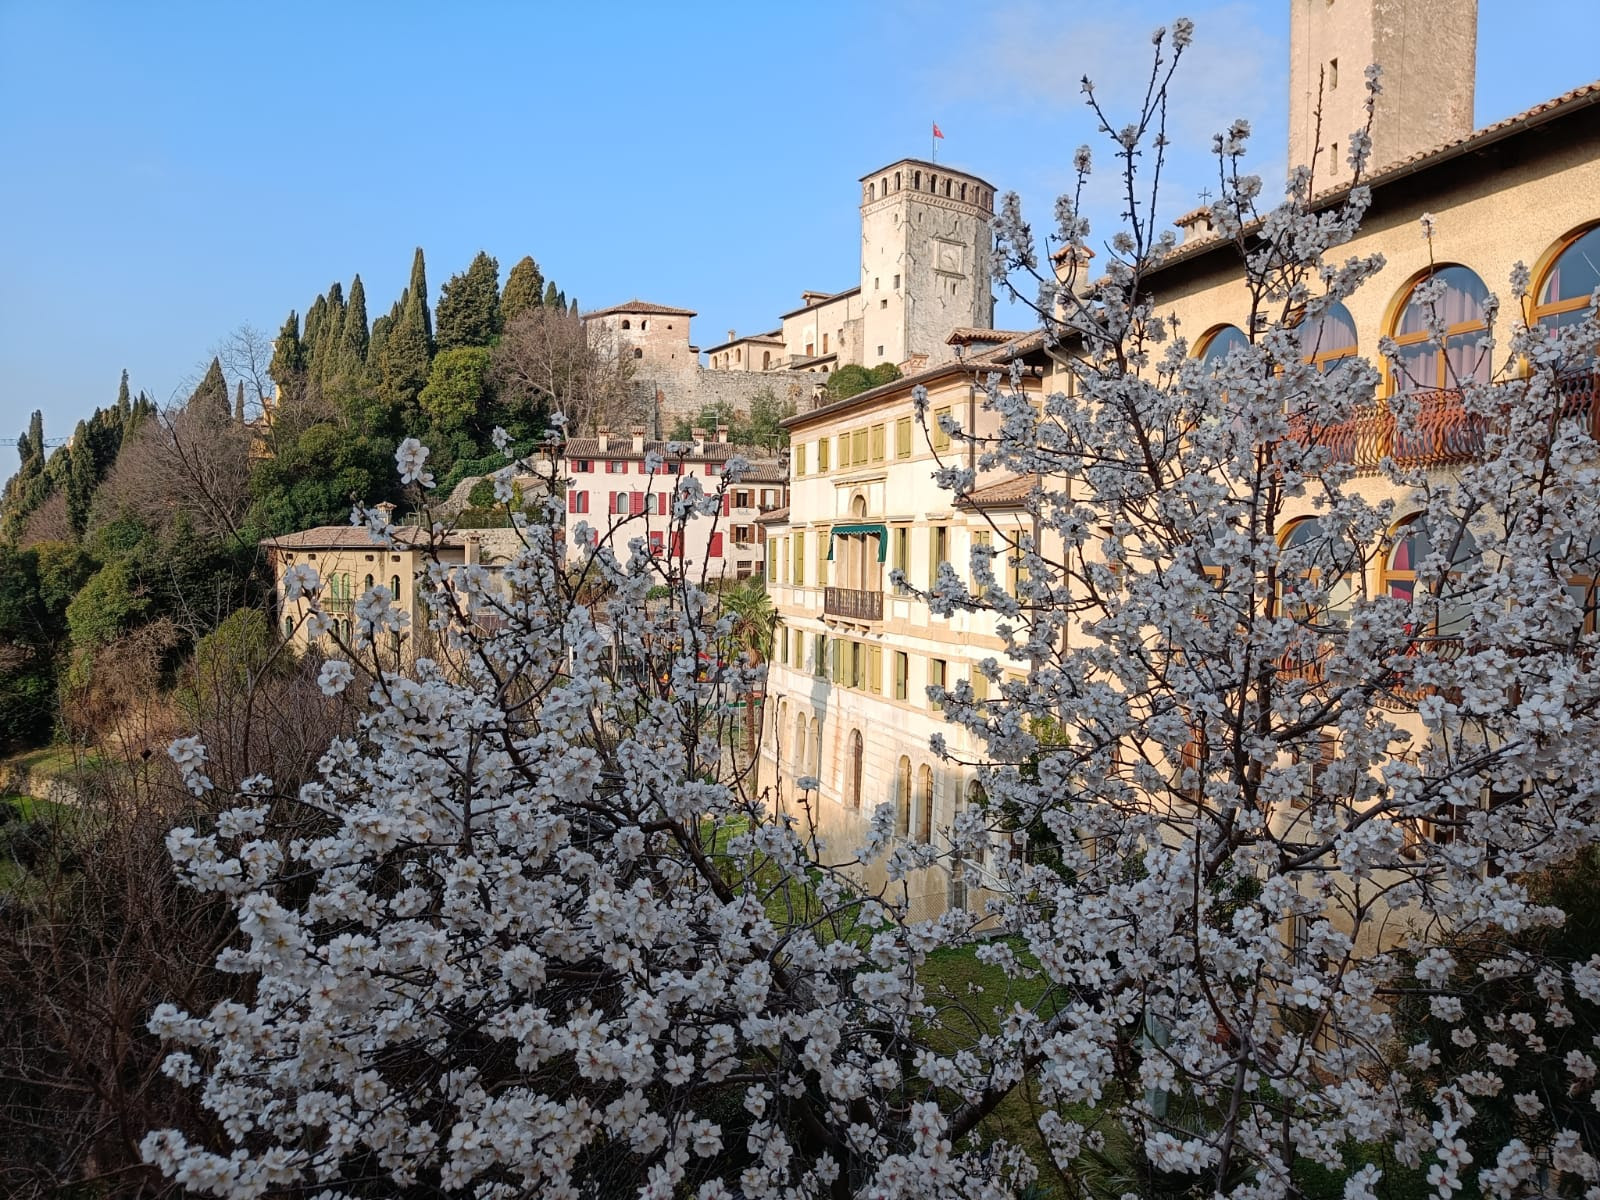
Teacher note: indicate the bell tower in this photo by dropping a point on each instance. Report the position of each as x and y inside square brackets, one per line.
[926, 241]
[1428, 51]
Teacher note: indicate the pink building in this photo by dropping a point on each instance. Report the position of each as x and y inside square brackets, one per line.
[609, 487]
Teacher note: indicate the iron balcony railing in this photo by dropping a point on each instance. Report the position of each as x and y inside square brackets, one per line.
[852, 604]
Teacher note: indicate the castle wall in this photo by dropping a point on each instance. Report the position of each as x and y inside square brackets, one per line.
[683, 391]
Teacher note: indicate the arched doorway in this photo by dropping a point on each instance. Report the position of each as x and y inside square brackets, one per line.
[925, 803]
[853, 766]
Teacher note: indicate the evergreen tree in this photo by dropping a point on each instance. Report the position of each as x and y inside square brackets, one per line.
[469, 306]
[354, 341]
[212, 394]
[325, 359]
[550, 295]
[36, 432]
[238, 403]
[313, 334]
[404, 369]
[418, 288]
[124, 403]
[524, 289]
[288, 360]
[573, 311]
[561, 302]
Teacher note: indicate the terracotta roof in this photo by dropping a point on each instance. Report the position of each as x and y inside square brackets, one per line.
[767, 471]
[965, 335]
[794, 312]
[620, 446]
[764, 338]
[359, 537]
[776, 516]
[1479, 139]
[1008, 493]
[995, 358]
[641, 306]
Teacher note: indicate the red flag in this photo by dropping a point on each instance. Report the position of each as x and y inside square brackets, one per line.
[936, 132]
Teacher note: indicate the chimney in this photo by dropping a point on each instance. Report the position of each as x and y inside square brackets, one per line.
[638, 439]
[387, 509]
[722, 433]
[1195, 224]
[699, 436]
[605, 438]
[733, 334]
[474, 549]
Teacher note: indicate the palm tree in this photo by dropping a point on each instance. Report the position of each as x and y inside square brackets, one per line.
[754, 620]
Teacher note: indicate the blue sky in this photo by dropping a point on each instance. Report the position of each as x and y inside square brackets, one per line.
[171, 170]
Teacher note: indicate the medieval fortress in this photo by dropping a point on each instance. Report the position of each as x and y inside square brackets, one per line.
[925, 253]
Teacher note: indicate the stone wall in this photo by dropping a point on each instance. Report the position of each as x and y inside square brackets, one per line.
[680, 392]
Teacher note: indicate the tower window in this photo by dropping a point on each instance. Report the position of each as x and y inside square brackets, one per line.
[643, 325]
[626, 324]
[880, 352]
[637, 353]
[897, 283]
[897, 181]
[884, 303]
[885, 185]
[946, 187]
[872, 192]
[963, 191]
[916, 180]
[1333, 74]
[933, 184]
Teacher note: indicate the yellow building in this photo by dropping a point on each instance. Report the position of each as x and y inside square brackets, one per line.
[847, 701]
[349, 561]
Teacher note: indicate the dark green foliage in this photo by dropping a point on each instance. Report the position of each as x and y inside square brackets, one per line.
[524, 290]
[228, 660]
[403, 369]
[36, 434]
[573, 311]
[851, 380]
[288, 367]
[456, 388]
[354, 340]
[330, 331]
[124, 401]
[238, 402]
[552, 297]
[469, 306]
[105, 606]
[418, 290]
[314, 478]
[212, 392]
[313, 334]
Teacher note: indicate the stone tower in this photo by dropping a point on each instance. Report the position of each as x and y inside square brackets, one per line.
[925, 249]
[1428, 52]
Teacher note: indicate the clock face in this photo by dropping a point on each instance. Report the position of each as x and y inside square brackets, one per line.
[949, 258]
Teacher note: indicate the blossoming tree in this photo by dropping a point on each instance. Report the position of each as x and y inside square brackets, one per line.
[544, 941]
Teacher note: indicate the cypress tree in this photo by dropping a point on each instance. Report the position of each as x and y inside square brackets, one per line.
[524, 289]
[550, 297]
[314, 318]
[561, 301]
[124, 402]
[354, 340]
[36, 432]
[288, 359]
[573, 311]
[212, 394]
[418, 288]
[325, 359]
[404, 369]
[469, 306]
[238, 403]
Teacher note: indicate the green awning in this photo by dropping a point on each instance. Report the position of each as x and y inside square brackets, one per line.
[881, 530]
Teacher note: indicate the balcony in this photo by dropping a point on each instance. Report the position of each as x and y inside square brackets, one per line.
[852, 605]
[1444, 434]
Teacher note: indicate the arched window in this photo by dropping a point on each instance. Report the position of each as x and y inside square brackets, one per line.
[638, 353]
[816, 747]
[1324, 562]
[643, 325]
[963, 191]
[1218, 342]
[766, 359]
[979, 799]
[366, 585]
[902, 797]
[802, 744]
[872, 192]
[897, 181]
[924, 804]
[933, 183]
[394, 587]
[853, 783]
[1562, 297]
[1412, 546]
[1458, 300]
[916, 180]
[288, 627]
[627, 324]
[1328, 340]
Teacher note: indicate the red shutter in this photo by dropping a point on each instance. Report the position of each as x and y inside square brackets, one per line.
[637, 499]
[572, 502]
[677, 545]
[716, 546]
[661, 504]
[727, 500]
